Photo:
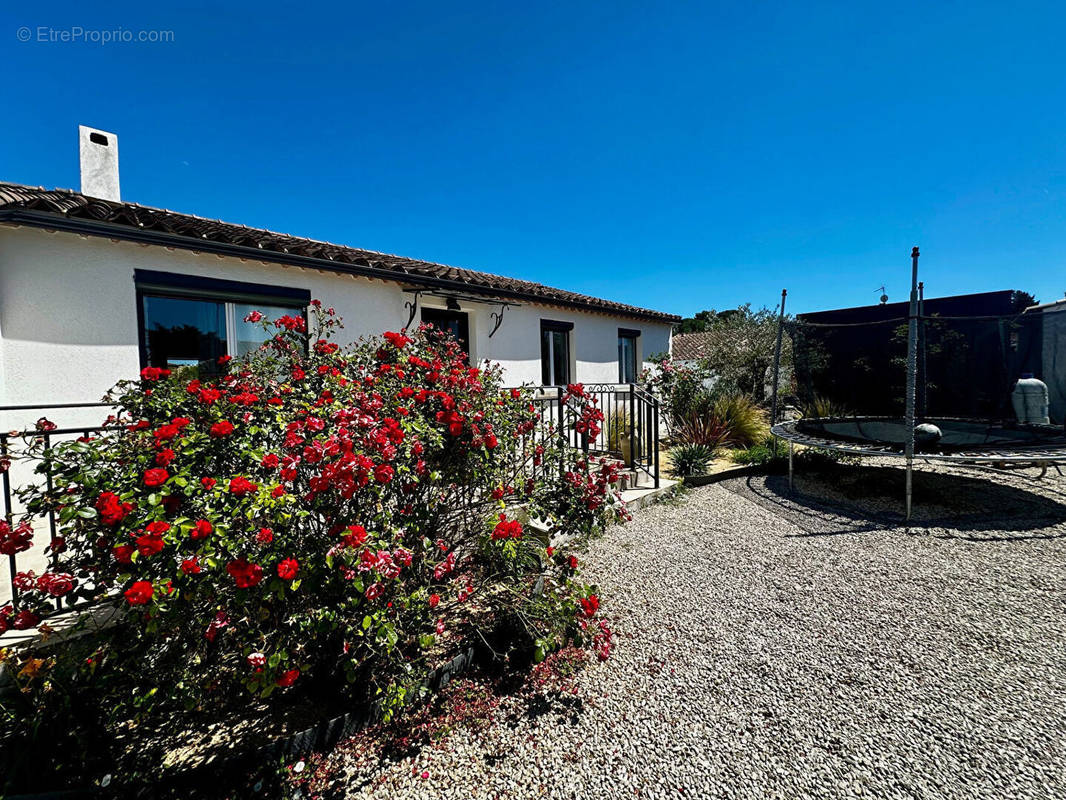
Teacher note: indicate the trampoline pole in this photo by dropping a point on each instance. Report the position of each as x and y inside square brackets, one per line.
[912, 366]
[791, 446]
[777, 365]
[923, 377]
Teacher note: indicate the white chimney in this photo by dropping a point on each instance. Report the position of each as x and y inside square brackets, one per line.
[99, 163]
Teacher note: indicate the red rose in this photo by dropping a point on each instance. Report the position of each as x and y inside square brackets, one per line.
[590, 604]
[166, 432]
[383, 473]
[355, 536]
[507, 529]
[265, 536]
[112, 509]
[123, 553]
[191, 566]
[277, 491]
[208, 483]
[149, 545]
[491, 441]
[201, 530]
[270, 461]
[223, 360]
[56, 584]
[397, 340]
[241, 486]
[244, 574]
[254, 316]
[434, 599]
[140, 593]
[572, 561]
[154, 373]
[288, 678]
[156, 477]
[220, 429]
[164, 457]
[24, 620]
[288, 569]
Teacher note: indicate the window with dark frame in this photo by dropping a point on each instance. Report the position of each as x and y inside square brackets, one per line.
[555, 352]
[456, 323]
[186, 320]
[628, 371]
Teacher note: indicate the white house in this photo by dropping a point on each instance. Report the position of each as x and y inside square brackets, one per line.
[93, 288]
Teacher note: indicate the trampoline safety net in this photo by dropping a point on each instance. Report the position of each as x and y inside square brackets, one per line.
[849, 379]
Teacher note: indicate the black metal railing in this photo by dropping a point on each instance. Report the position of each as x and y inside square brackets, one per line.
[20, 452]
[630, 429]
[630, 433]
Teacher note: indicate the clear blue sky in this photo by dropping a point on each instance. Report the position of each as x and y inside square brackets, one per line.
[681, 157]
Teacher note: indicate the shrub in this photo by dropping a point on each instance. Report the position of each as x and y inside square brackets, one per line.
[757, 454]
[342, 517]
[691, 459]
[682, 390]
[745, 422]
[822, 407]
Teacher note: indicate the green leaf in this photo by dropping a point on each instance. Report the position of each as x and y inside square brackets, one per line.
[86, 513]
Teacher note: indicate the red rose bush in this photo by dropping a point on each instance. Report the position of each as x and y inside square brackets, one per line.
[316, 515]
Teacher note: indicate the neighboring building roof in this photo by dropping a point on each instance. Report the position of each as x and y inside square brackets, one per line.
[63, 209]
[1054, 305]
[691, 346]
[979, 304]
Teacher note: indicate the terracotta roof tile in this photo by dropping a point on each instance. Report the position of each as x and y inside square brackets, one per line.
[38, 206]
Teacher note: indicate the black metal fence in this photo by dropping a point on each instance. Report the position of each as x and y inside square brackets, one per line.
[20, 452]
[630, 433]
[630, 430]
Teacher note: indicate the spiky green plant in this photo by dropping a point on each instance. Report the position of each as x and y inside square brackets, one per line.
[691, 459]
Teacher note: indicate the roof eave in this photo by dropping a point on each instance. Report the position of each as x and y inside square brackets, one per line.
[61, 222]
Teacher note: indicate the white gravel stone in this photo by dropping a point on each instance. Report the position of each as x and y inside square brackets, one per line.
[771, 646]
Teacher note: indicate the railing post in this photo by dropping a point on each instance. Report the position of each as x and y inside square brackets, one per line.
[5, 478]
[632, 427]
[655, 427]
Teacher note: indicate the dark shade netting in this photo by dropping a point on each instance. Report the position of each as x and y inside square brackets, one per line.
[967, 368]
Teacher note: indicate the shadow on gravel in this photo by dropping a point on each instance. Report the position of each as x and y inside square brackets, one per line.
[847, 500]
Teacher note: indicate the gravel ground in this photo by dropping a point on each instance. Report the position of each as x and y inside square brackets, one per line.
[772, 646]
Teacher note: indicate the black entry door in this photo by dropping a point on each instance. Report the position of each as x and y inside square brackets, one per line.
[453, 322]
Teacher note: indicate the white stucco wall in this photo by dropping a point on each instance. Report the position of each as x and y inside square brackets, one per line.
[69, 331]
[68, 317]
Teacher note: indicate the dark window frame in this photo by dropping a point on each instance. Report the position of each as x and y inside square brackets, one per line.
[554, 326]
[154, 283]
[632, 334]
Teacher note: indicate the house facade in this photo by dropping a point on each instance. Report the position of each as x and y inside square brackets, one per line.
[92, 289]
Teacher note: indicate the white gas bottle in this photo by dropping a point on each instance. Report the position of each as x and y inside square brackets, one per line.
[1030, 400]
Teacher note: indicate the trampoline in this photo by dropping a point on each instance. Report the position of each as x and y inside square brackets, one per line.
[962, 440]
[912, 385]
